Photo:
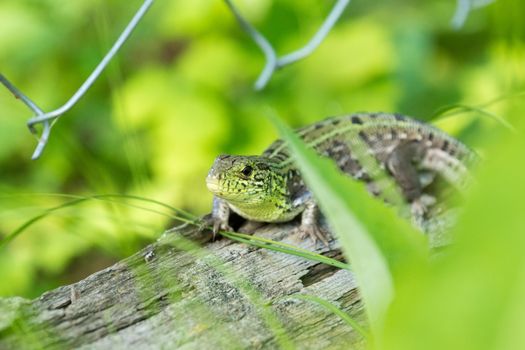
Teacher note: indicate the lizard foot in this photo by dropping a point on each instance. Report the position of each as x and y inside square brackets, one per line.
[216, 223]
[419, 206]
[314, 232]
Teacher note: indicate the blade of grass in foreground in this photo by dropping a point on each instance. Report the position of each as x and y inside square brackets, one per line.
[474, 296]
[373, 237]
[283, 248]
[267, 314]
[453, 110]
[333, 309]
[178, 214]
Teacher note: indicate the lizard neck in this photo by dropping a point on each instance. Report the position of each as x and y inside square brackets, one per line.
[276, 206]
[267, 212]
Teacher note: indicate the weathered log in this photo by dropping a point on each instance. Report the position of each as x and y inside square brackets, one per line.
[167, 296]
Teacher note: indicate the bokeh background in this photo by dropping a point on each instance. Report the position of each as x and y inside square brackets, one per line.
[181, 92]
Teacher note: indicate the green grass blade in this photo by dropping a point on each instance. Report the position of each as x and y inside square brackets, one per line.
[35, 219]
[187, 218]
[266, 313]
[474, 296]
[106, 197]
[284, 248]
[332, 308]
[453, 110]
[373, 248]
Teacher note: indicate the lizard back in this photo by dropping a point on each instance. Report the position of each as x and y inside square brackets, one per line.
[380, 134]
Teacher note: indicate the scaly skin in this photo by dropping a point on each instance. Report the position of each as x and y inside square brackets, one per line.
[269, 188]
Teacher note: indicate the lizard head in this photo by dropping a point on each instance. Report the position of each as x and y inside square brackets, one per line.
[246, 181]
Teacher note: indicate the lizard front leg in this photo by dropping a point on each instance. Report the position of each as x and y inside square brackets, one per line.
[220, 216]
[310, 219]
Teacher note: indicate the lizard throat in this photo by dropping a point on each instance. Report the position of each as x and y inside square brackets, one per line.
[264, 212]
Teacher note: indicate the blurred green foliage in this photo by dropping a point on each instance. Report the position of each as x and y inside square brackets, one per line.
[180, 93]
[471, 297]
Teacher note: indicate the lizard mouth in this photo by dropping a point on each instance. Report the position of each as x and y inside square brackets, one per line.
[212, 184]
[215, 187]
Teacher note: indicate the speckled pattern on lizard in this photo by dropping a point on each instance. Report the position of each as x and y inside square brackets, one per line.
[269, 188]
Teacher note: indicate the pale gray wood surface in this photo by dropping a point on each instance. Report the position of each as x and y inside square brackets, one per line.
[177, 299]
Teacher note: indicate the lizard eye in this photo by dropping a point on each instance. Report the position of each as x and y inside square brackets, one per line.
[247, 170]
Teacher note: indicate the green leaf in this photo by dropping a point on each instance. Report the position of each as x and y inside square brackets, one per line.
[473, 296]
[374, 239]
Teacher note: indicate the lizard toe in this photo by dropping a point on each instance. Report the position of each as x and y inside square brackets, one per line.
[216, 225]
[220, 226]
[314, 232]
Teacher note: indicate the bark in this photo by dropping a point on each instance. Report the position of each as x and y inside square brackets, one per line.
[167, 296]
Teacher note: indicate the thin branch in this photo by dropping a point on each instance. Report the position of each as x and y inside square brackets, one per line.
[273, 62]
[47, 118]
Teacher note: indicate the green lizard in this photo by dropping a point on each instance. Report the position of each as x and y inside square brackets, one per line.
[269, 188]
